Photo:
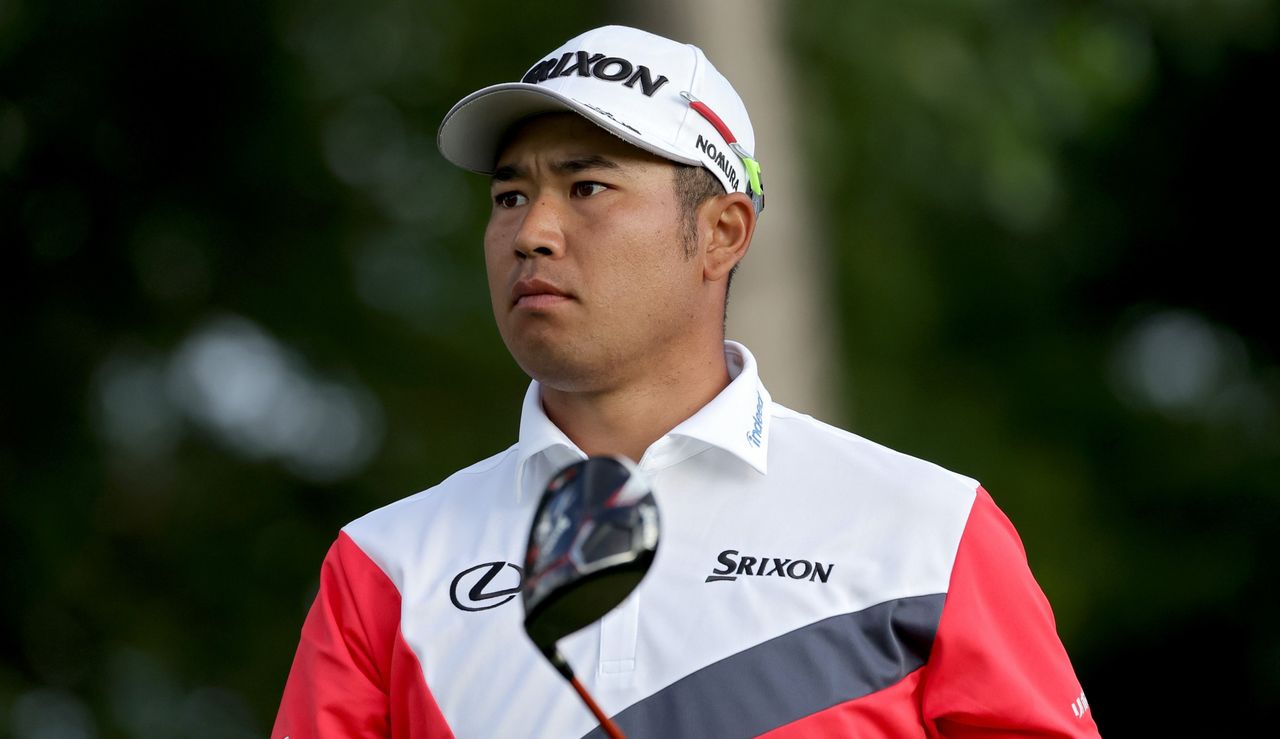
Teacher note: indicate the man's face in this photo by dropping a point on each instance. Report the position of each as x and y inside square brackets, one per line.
[587, 270]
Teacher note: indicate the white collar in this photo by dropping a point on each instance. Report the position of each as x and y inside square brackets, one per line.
[736, 420]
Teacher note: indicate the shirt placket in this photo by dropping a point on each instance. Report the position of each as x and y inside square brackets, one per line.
[620, 628]
[619, 631]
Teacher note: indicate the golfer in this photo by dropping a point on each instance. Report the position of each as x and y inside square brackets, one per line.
[809, 582]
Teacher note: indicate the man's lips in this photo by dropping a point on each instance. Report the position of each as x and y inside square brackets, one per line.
[536, 293]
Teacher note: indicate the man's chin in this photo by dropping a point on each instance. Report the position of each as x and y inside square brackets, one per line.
[560, 369]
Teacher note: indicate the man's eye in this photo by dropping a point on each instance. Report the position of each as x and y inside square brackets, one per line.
[587, 189]
[509, 199]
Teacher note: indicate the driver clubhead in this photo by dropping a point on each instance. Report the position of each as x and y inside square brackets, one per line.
[594, 536]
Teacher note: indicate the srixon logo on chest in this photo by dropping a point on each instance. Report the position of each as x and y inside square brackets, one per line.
[607, 68]
[731, 564]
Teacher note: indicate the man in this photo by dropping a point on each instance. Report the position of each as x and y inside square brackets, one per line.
[809, 582]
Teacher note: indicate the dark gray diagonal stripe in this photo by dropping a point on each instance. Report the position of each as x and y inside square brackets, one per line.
[791, 676]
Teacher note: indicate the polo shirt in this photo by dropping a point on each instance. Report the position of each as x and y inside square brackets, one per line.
[808, 582]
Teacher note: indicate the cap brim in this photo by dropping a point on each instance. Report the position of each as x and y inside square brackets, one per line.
[472, 130]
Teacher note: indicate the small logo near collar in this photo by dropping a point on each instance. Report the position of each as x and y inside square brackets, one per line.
[756, 435]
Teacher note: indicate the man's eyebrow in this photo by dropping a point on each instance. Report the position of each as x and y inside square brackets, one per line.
[581, 164]
[506, 173]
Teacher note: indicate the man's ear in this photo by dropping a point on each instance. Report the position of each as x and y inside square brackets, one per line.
[729, 220]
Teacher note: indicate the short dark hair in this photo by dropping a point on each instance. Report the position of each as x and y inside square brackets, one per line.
[694, 186]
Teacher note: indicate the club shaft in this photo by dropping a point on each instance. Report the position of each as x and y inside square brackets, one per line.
[606, 723]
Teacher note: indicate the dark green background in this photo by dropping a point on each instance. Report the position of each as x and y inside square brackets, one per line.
[1049, 222]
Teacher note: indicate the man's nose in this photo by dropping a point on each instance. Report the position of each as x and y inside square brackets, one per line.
[541, 231]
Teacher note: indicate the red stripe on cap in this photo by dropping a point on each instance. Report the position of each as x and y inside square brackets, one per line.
[711, 116]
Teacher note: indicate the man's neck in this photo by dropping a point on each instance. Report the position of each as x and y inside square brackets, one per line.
[627, 419]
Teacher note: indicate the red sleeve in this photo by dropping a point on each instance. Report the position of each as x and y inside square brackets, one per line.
[354, 676]
[997, 667]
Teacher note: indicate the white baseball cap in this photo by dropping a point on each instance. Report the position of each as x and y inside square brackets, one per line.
[660, 95]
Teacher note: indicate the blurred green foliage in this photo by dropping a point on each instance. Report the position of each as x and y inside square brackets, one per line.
[244, 304]
[1046, 219]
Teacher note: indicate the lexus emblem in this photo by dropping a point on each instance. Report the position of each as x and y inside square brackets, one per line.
[471, 589]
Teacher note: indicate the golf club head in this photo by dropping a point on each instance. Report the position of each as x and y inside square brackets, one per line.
[593, 538]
